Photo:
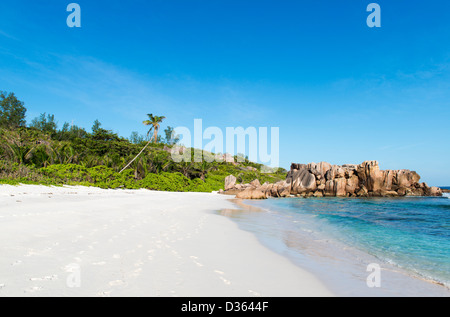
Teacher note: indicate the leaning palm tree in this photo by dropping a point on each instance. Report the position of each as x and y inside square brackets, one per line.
[153, 122]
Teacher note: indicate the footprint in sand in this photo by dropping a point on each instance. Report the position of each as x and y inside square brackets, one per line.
[45, 278]
[93, 232]
[99, 263]
[150, 256]
[18, 262]
[254, 293]
[227, 282]
[195, 260]
[223, 279]
[104, 294]
[116, 283]
[31, 253]
[78, 259]
[34, 289]
[71, 268]
[136, 273]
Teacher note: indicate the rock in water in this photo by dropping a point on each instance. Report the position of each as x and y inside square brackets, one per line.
[251, 193]
[363, 180]
[324, 179]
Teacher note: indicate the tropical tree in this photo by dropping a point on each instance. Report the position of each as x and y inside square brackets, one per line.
[186, 168]
[12, 111]
[204, 168]
[96, 126]
[136, 138]
[153, 122]
[160, 162]
[45, 123]
[171, 137]
[18, 149]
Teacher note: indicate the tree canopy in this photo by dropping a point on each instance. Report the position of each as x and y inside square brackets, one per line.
[45, 123]
[12, 111]
[154, 123]
[42, 153]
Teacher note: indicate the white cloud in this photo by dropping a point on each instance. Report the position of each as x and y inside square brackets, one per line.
[5, 34]
[125, 97]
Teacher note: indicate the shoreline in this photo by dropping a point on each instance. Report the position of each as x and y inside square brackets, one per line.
[135, 243]
[350, 273]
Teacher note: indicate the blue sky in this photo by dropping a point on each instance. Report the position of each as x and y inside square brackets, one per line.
[339, 91]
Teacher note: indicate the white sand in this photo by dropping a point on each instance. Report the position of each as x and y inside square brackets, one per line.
[77, 241]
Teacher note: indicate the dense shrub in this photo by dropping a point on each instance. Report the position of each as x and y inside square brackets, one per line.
[28, 155]
[42, 154]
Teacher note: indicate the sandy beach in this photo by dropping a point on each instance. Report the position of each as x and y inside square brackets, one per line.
[79, 241]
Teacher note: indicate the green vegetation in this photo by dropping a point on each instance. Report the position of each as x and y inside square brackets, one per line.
[12, 111]
[43, 154]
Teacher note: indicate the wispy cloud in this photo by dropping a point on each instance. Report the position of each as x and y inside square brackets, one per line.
[434, 71]
[100, 86]
[400, 147]
[9, 36]
[124, 96]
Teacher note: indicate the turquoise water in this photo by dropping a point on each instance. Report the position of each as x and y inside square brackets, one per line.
[409, 233]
